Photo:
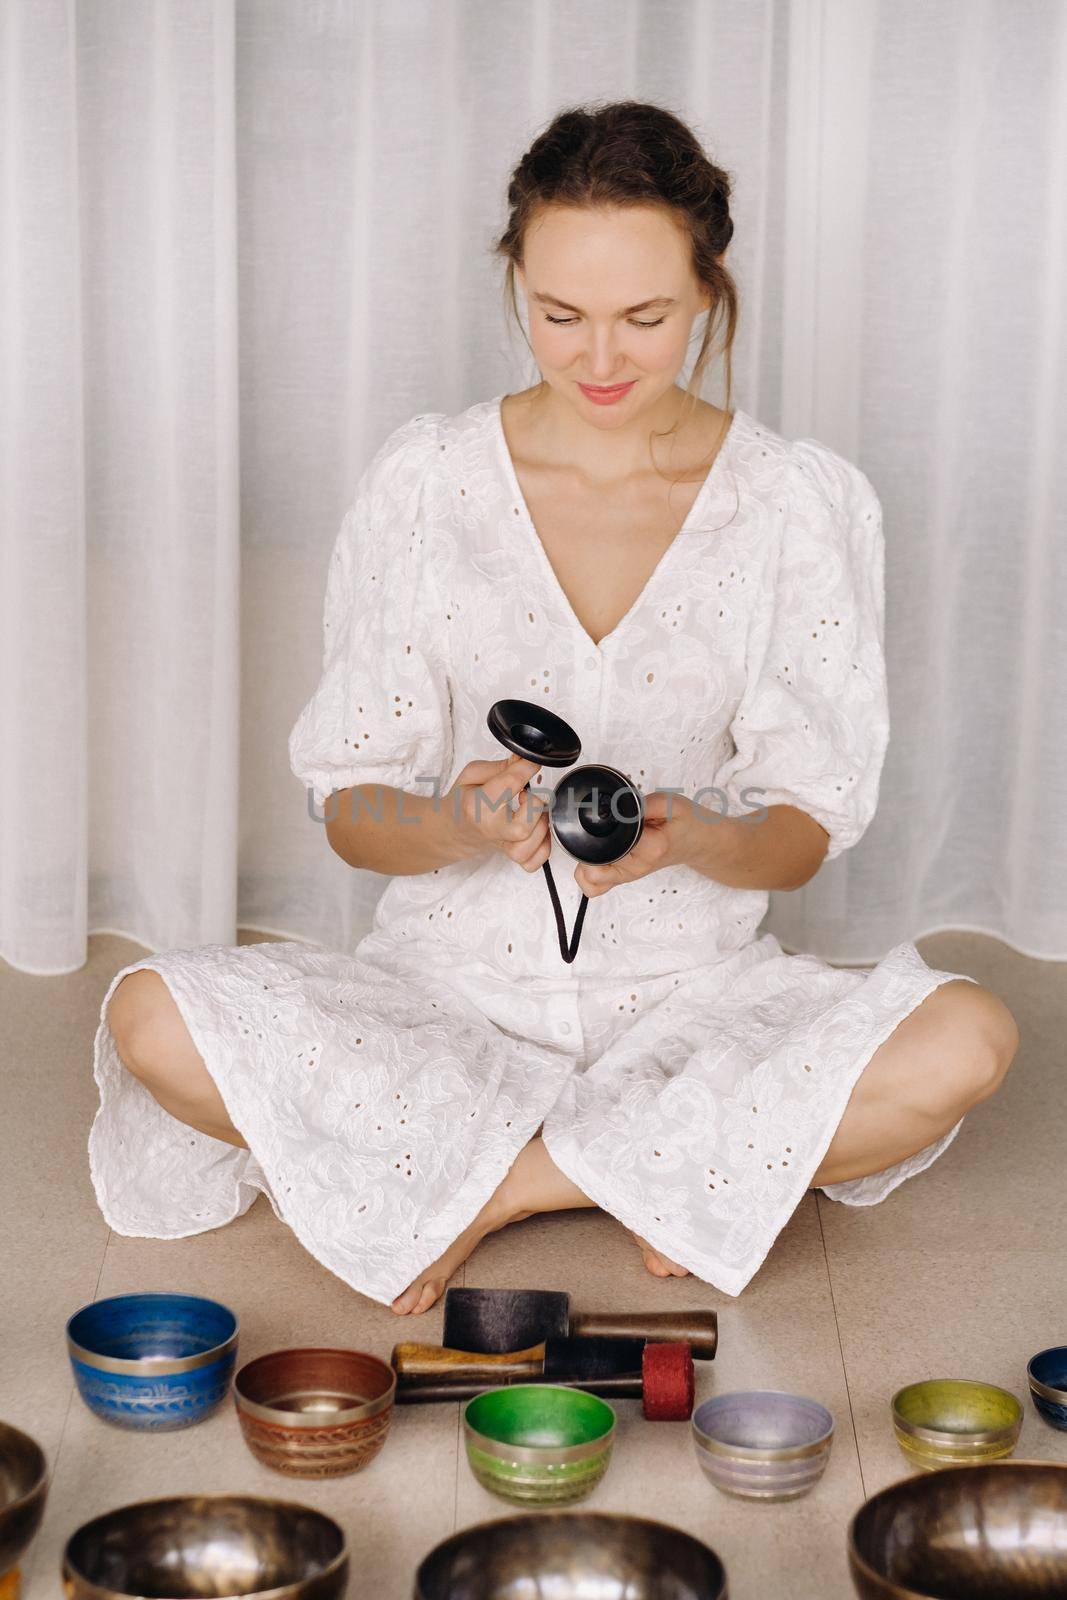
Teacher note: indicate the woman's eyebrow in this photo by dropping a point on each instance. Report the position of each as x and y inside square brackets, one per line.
[646, 305]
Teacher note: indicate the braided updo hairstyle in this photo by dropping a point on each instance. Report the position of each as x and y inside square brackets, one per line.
[624, 154]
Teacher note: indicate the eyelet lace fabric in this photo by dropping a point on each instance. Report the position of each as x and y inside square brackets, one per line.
[688, 1072]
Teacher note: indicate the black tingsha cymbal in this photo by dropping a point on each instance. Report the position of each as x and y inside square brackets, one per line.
[596, 813]
[535, 732]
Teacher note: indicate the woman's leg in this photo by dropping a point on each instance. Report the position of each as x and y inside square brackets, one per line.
[533, 1183]
[949, 1054]
[154, 1045]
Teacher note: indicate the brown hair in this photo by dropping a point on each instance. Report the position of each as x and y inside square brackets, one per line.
[624, 154]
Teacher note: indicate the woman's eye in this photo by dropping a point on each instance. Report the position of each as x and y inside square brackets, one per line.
[564, 322]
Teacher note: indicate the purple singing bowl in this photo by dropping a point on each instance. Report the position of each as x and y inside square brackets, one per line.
[762, 1444]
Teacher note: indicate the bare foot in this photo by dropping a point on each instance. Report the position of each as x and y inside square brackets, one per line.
[658, 1264]
[430, 1284]
[532, 1184]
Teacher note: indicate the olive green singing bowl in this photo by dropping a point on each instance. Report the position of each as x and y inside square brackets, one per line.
[538, 1443]
[948, 1422]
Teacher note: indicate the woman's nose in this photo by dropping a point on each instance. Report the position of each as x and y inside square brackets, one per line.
[605, 361]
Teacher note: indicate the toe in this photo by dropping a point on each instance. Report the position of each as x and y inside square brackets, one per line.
[431, 1292]
[406, 1302]
[659, 1266]
[675, 1268]
[650, 1258]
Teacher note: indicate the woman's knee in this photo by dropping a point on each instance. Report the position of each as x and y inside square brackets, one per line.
[984, 1040]
[996, 1036]
[144, 1020]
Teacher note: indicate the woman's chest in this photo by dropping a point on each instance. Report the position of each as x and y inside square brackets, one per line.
[603, 549]
[653, 695]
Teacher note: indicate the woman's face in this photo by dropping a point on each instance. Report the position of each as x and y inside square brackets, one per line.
[603, 263]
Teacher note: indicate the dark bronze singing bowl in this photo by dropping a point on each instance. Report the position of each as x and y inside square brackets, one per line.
[571, 1553]
[992, 1532]
[214, 1546]
[23, 1487]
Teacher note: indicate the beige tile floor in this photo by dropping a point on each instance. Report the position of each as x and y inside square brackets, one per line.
[961, 1272]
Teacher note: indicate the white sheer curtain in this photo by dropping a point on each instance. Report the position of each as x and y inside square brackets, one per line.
[239, 243]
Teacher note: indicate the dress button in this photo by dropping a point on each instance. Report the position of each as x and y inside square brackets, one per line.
[564, 1027]
[590, 662]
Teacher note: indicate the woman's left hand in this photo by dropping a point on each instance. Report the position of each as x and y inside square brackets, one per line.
[664, 842]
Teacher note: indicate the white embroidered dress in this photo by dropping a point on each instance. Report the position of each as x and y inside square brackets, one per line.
[689, 1073]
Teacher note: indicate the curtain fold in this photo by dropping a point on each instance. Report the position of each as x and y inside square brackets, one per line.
[242, 240]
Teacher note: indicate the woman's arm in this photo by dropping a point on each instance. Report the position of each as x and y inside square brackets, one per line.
[384, 829]
[781, 850]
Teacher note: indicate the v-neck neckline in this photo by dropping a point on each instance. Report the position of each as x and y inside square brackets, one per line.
[549, 571]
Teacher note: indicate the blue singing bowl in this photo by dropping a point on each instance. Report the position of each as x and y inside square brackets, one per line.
[1046, 1374]
[153, 1361]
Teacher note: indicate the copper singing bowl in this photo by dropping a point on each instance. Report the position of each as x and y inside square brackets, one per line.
[214, 1546]
[23, 1488]
[314, 1411]
[991, 1532]
[567, 1553]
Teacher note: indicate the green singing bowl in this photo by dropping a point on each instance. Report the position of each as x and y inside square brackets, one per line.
[23, 1490]
[996, 1532]
[571, 1553]
[955, 1422]
[214, 1546]
[538, 1443]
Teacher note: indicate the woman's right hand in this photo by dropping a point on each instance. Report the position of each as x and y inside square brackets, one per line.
[481, 800]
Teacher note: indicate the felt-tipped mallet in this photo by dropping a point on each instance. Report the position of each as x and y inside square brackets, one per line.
[659, 1371]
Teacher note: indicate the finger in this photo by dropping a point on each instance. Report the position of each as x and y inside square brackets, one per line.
[510, 779]
[530, 809]
[480, 771]
[491, 810]
[512, 766]
[521, 767]
[527, 829]
[594, 880]
[535, 858]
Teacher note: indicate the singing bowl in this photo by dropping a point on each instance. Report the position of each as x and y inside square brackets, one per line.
[153, 1361]
[584, 1553]
[538, 1443]
[762, 1444]
[214, 1546]
[1046, 1374]
[993, 1532]
[948, 1422]
[23, 1490]
[315, 1413]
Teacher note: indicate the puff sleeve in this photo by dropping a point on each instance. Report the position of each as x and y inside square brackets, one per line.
[812, 726]
[381, 712]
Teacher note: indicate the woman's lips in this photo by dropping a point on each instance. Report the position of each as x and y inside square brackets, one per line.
[606, 396]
